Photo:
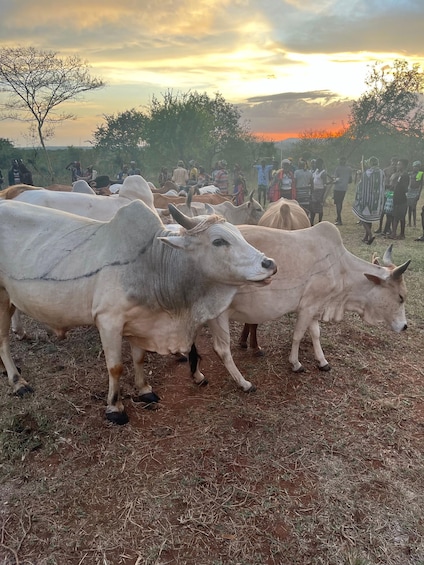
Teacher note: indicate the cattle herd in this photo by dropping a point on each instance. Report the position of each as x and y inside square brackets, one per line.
[172, 265]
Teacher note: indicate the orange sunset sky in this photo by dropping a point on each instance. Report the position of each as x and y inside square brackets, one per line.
[290, 66]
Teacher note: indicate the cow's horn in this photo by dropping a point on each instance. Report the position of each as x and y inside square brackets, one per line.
[398, 272]
[387, 257]
[182, 219]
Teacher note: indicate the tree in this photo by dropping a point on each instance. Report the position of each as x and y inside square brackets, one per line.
[192, 126]
[178, 126]
[36, 83]
[392, 103]
[122, 135]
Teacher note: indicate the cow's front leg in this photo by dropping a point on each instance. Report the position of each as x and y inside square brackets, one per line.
[19, 385]
[143, 390]
[314, 331]
[220, 329]
[111, 338]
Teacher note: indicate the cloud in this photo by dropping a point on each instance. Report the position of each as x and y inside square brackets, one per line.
[291, 64]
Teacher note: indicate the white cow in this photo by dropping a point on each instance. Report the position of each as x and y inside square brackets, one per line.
[66, 271]
[321, 280]
[249, 212]
[87, 205]
[82, 187]
[83, 204]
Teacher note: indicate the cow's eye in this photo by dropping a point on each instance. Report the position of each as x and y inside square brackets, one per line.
[219, 242]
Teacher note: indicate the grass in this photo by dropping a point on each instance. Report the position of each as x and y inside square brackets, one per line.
[312, 469]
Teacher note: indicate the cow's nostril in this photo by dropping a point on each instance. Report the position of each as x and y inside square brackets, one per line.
[268, 264]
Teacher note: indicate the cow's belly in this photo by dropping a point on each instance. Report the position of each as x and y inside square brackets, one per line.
[160, 332]
[59, 306]
[259, 305]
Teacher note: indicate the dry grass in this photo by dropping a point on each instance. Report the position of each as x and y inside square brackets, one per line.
[312, 469]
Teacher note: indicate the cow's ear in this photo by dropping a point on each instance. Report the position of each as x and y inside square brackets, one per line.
[174, 241]
[376, 279]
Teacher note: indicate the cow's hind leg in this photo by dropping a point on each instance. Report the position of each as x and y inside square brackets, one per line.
[19, 385]
[194, 361]
[314, 331]
[298, 333]
[17, 326]
[143, 390]
[250, 330]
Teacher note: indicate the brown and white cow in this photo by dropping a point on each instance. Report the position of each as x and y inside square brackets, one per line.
[321, 280]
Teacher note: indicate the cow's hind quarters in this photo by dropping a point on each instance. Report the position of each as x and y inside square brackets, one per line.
[118, 418]
[325, 368]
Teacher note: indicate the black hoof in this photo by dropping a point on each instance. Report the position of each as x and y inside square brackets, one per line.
[243, 345]
[180, 358]
[301, 369]
[149, 397]
[325, 368]
[118, 418]
[23, 390]
[251, 389]
[150, 400]
[205, 382]
[259, 353]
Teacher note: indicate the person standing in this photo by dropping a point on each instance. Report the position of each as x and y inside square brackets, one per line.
[303, 180]
[134, 170]
[318, 191]
[193, 173]
[387, 209]
[400, 203]
[343, 177]
[180, 175]
[163, 177]
[264, 177]
[14, 175]
[414, 191]
[282, 184]
[369, 198]
[220, 178]
[76, 170]
[239, 185]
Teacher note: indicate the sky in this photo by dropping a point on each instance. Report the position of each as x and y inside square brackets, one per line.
[291, 66]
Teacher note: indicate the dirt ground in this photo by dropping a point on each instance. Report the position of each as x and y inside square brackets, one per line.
[312, 468]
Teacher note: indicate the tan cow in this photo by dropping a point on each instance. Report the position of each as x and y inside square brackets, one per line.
[285, 215]
[321, 280]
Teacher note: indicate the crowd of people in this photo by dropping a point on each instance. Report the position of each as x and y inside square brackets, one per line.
[194, 174]
[388, 196]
